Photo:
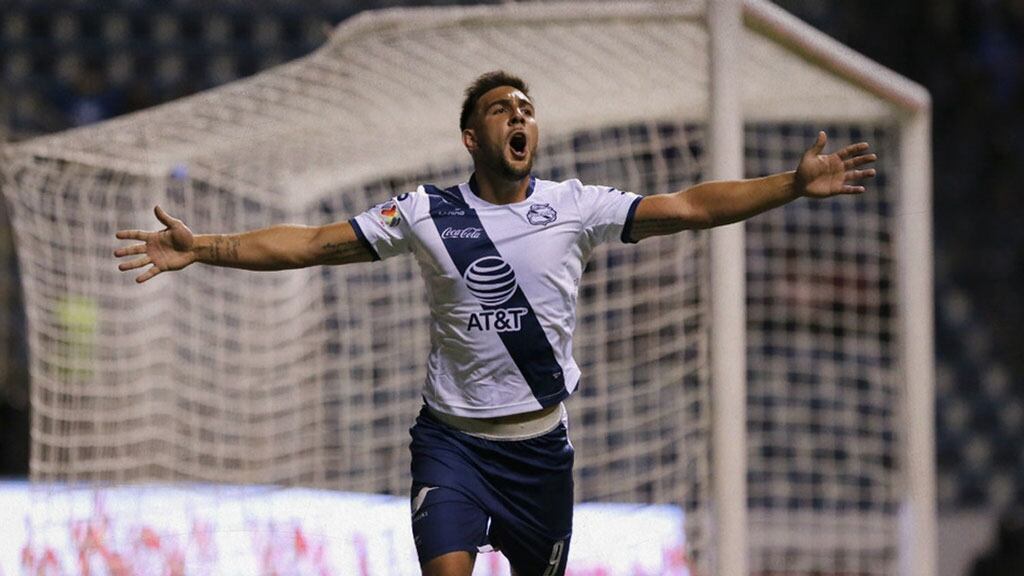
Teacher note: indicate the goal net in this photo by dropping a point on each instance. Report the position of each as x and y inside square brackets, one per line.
[313, 377]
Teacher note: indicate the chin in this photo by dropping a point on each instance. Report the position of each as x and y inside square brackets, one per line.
[516, 173]
[517, 170]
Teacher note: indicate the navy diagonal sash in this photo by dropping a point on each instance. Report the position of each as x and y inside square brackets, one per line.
[492, 281]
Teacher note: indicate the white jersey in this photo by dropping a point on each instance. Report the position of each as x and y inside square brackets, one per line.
[502, 282]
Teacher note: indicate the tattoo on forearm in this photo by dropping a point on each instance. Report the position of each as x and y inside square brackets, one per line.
[223, 251]
[342, 253]
[231, 248]
[213, 252]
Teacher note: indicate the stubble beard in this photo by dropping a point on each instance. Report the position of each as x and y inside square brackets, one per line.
[513, 173]
[507, 170]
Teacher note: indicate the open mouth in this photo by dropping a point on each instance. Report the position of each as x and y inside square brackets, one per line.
[518, 145]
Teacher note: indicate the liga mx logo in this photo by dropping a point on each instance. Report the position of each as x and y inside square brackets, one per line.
[491, 280]
[389, 214]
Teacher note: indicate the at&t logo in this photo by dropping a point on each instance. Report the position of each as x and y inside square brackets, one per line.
[503, 320]
[491, 280]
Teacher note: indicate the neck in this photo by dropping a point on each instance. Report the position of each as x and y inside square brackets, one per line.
[498, 190]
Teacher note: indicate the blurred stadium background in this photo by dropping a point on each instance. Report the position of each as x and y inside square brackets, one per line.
[67, 63]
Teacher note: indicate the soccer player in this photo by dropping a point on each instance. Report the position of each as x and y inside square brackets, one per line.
[501, 256]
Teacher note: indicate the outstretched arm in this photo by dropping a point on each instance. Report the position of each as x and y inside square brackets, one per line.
[275, 248]
[716, 203]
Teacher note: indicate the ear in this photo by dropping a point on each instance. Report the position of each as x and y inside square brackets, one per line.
[469, 140]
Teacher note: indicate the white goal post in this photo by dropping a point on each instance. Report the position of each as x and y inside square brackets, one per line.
[779, 388]
[913, 239]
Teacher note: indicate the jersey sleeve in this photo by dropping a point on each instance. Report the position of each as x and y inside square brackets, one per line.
[384, 229]
[606, 212]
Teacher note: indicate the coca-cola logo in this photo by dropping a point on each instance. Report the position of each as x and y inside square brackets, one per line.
[470, 232]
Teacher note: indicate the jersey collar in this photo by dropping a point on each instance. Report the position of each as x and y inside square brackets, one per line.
[474, 199]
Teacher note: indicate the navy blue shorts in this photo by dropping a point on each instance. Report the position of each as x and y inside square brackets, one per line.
[476, 495]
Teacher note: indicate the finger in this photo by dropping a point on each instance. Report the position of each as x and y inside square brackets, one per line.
[149, 274]
[819, 144]
[165, 218]
[132, 235]
[130, 250]
[847, 189]
[859, 161]
[859, 174]
[133, 264]
[853, 150]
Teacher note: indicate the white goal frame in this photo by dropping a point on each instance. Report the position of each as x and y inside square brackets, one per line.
[914, 278]
[138, 148]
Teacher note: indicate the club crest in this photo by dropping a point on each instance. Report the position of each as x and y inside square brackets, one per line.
[541, 214]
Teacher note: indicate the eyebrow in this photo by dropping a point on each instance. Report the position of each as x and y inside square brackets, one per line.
[508, 102]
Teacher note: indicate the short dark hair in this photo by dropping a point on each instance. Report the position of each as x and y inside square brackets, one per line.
[484, 84]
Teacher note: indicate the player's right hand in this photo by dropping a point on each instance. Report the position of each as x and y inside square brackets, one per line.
[168, 249]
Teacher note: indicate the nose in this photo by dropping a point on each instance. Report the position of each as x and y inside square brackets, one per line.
[517, 116]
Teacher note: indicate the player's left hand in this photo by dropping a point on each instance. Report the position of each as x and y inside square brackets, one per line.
[822, 175]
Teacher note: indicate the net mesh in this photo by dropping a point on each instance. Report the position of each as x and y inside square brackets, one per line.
[313, 377]
[823, 395]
